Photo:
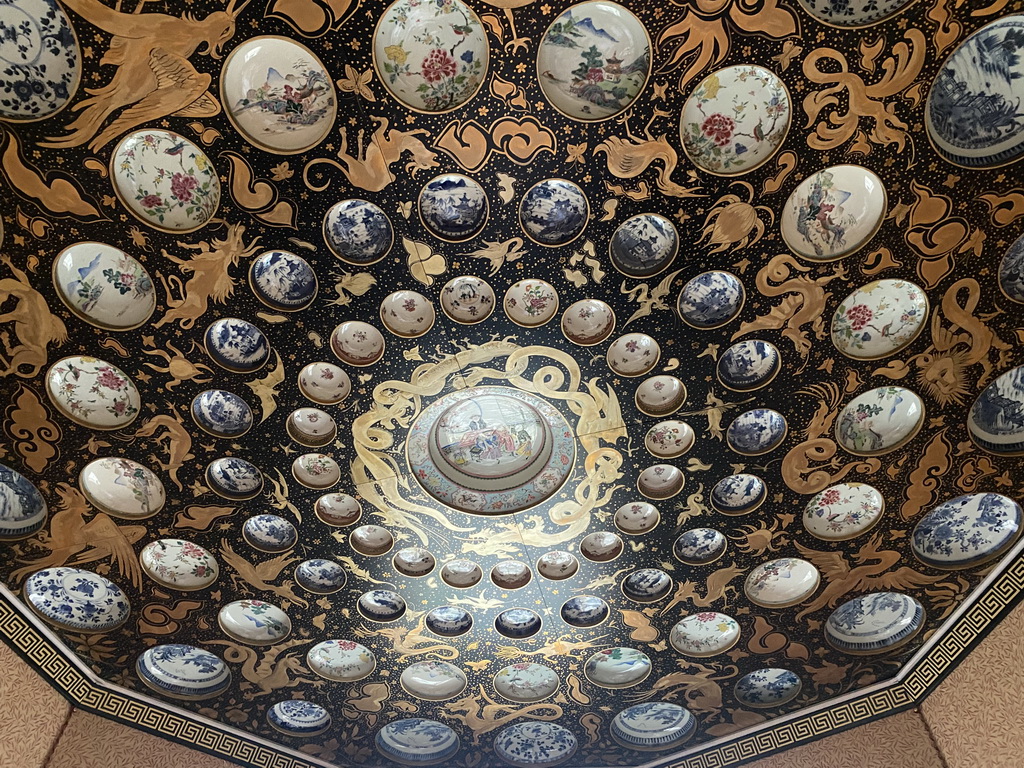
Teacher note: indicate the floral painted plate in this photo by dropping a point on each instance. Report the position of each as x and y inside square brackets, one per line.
[283, 281]
[42, 60]
[236, 345]
[781, 583]
[735, 120]
[183, 672]
[23, 509]
[407, 314]
[531, 303]
[995, 420]
[644, 245]
[879, 421]
[338, 509]
[738, 494]
[316, 470]
[1011, 271]
[601, 546]
[661, 481]
[297, 717]
[706, 634]
[526, 682]
[416, 741]
[234, 478]
[710, 300]
[357, 343]
[269, 533]
[278, 94]
[554, 212]
[557, 565]
[221, 413]
[653, 726]
[93, 393]
[669, 439]
[467, 299]
[767, 688]
[843, 511]
[433, 680]
[617, 668]
[319, 576]
[748, 365]
[311, 427]
[104, 286]
[122, 488]
[371, 540]
[535, 744]
[700, 546]
[588, 322]
[633, 354]
[165, 181]
[431, 57]
[76, 600]
[343, 661]
[660, 396]
[594, 60]
[757, 431]
[324, 383]
[833, 213]
[179, 564]
[254, 622]
[971, 111]
[967, 531]
[875, 623]
[453, 207]
[358, 232]
[636, 517]
[879, 319]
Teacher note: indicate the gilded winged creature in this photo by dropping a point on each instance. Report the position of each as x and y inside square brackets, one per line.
[647, 299]
[866, 577]
[154, 76]
[260, 575]
[74, 540]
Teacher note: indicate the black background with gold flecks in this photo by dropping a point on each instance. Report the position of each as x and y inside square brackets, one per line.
[938, 232]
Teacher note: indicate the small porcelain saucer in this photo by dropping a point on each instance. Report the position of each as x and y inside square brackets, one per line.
[23, 509]
[236, 345]
[584, 611]
[104, 286]
[535, 744]
[669, 439]
[644, 245]
[448, 621]
[381, 605]
[617, 668]
[358, 232]
[179, 564]
[324, 383]
[407, 314]
[296, 717]
[601, 546]
[338, 509]
[183, 672]
[661, 481]
[283, 281]
[121, 488]
[511, 574]
[433, 680]
[705, 634]
[554, 212]
[756, 432]
[269, 533]
[653, 726]
[660, 396]
[254, 622]
[526, 682]
[461, 574]
[93, 393]
[711, 300]
[633, 354]
[767, 688]
[371, 540]
[234, 478]
[781, 583]
[467, 299]
[311, 427]
[357, 343]
[517, 623]
[319, 576]
[738, 494]
[588, 322]
[557, 565]
[636, 517]
[76, 600]
[531, 303]
[316, 470]
[221, 413]
[343, 661]
[413, 561]
[415, 741]
[700, 546]
[879, 421]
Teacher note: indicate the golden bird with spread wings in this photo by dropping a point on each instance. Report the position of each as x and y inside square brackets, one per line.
[260, 575]
[499, 254]
[647, 299]
[871, 577]
[266, 389]
[154, 76]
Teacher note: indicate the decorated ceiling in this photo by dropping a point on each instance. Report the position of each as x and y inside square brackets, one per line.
[508, 382]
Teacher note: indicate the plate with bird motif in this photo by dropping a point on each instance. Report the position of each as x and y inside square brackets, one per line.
[122, 488]
[93, 393]
[104, 286]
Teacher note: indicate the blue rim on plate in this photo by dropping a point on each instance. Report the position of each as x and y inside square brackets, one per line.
[967, 531]
[653, 725]
[757, 431]
[875, 623]
[417, 741]
[738, 494]
[236, 345]
[234, 478]
[269, 533]
[183, 671]
[23, 509]
[221, 413]
[76, 599]
[295, 717]
[283, 281]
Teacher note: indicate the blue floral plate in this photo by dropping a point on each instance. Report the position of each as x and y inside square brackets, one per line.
[269, 533]
[294, 717]
[967, 531]
[416, 741]
[653, 725]
[183, 672]
[77, 600]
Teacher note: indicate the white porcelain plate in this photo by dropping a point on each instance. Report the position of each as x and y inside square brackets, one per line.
[93, 393]
[104, 286]
[879, 319]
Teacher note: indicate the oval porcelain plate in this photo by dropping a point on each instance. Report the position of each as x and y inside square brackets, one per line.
[122, 488]
[879, 421]
[183, 672]
[879, 319]
[705, 634]
[843, 511]
[76, 600]
[358, 232]
[994, 421]
[653, 725]
[415, 741]
[967, 531]
[104, 286]
[781, 583]
[93, 393]
[875, 623]
[535, 744]
[23, 509]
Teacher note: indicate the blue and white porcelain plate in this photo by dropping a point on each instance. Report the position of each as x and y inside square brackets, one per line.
[236, 345]
[221, 413]
[996, 420]
[875, 623]
[738, 494]
[1011, 271]
[416, 741]
[382, 605]
[853, 13]
[517, 623]
[319, 576]
[617, 667]
[711, 300]
[644, 245]
[270, 533]
[967, 531]
[647, 585]
[879, 421]
[102, 284]
[554, 212]
[972, 112]
[22, 508]
[183, 672]
[40, 60]
[234, 478]
[295, 717]
[584, 611]
[756, 431]
[77, 600]
[653, 725]
[283, 281]
[748, 365]
[358, 232]
[534, 744]
[453, 207]
[448, 621]
[254, 622]
[768, 687]
[700, 546]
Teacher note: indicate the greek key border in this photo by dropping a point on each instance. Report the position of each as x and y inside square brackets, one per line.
[54, 663]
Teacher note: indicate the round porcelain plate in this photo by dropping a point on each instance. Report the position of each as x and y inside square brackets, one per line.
[662, 481]
[854, 13]
[587, 322]
[278, 94]
[1011, 271]
[554, 212]
[234, 478]
[705, 634]
[104, 286]
[660, 396]
[700, 546]
[633, 354]
[644, 245]
[254, 622]
[875, 623]
[415, 741]
[295, 717]
[407, 314]
[319, 576]
[646, 585]
[617, 667]
[879, 319]
[358, 232]
[433, 680]
[833, 212]
[183, 672]
[122, 488]
[531, 303]
[994, 420]
[236, 345]
[757, 431]
[669, 439]
[843, 511]
[534, 744]
[283, 281]
[165, 180]
[357, 343]
[748, 365]
[22, 508]
[636, 517]
[467, 299]
[76, 600]
[341, 660]
[324, 383]
[270, 533]
[781, 583]
[879, 421]
[738, 494]
[735, 120]
[710, 300]
[93, 393]
[653, 725]
[338, 509]
[967, 531]
[526, 682]
[221, 413]
[453, 207]
[179, 564]
[768, 687]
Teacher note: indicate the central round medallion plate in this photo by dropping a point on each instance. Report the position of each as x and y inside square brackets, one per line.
[491, 450]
